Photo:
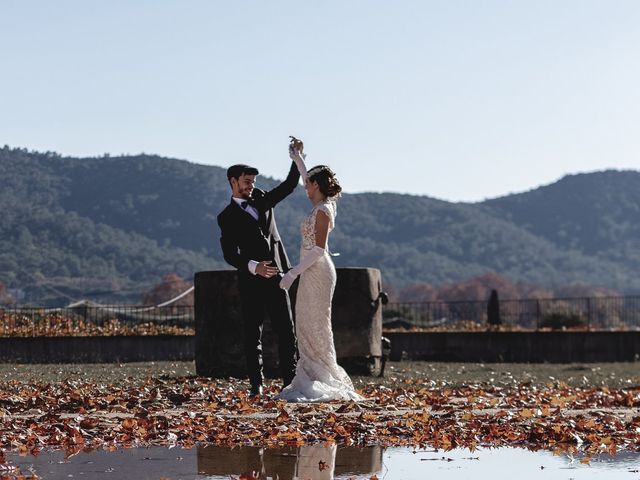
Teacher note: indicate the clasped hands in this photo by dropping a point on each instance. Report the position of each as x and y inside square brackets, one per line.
[287, 280]
[267, 270]
[295, 146]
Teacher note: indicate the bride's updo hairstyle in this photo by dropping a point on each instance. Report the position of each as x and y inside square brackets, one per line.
[327, 182]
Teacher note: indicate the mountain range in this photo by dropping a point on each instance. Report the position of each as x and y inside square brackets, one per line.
[108, 228]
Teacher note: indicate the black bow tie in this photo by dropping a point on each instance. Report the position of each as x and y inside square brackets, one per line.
[244, 204]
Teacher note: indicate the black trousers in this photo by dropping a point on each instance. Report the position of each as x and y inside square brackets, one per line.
[259, 297]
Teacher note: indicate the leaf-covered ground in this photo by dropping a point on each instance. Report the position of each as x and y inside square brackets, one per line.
[418, 404]
[35, 323]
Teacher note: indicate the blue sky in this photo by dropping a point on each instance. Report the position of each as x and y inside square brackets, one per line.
[459, 100]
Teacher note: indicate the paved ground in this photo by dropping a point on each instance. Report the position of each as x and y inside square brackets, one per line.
[613, 375]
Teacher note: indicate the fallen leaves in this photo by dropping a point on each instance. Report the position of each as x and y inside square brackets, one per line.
[45, 323]
[77, 416]
[525, 413]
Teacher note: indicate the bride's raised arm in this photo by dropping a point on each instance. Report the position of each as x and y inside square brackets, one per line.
[295, 153]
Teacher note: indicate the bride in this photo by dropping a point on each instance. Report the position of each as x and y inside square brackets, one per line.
[318, 376]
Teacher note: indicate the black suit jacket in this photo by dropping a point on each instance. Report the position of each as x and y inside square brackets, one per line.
[243, 238]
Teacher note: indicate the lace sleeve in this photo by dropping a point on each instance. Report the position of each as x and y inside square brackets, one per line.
[330, 209]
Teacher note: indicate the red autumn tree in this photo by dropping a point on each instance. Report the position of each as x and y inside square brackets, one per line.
[479, 288]
[5, 298]
[170, 287]
[581, 290]
[417, 292]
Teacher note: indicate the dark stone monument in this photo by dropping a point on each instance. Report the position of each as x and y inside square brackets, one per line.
[356, 321]
[493, 310]
[356, 318]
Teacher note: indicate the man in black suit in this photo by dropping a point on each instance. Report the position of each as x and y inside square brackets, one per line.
[250, 242]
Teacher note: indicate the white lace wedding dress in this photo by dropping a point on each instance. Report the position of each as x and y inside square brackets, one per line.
[318, 376]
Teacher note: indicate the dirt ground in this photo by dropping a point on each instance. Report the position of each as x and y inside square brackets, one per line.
[612, 375]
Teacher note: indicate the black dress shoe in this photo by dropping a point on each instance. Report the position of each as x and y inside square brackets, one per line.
[255, 390]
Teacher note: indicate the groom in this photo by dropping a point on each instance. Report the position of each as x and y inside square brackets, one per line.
[251, 243]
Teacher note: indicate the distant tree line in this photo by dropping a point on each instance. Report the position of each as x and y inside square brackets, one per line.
[479, 289]
[109, 227]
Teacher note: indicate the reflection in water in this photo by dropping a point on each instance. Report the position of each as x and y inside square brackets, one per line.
[504, 463]
[321, 462]
[317, 462]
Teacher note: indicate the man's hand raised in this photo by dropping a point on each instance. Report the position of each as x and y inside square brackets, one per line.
[266, 270]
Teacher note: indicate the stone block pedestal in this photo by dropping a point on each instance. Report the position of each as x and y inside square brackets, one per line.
[356, 321]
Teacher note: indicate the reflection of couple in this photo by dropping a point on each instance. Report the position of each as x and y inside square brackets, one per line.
[317, 462]
[251, 243]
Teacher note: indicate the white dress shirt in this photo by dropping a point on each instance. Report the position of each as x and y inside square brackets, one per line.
[251, 210]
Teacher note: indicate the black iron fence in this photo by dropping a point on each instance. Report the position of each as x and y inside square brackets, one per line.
[103, 320]
[591, 313]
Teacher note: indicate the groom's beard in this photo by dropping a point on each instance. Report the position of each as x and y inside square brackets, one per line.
[246, 193]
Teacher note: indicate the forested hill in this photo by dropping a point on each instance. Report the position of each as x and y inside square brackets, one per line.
[108, 228]
[595, 213]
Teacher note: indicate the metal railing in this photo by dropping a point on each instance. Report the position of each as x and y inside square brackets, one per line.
[103, 320]
[589, 313]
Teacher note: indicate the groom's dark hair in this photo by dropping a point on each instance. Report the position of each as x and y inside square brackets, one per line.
[236, 171]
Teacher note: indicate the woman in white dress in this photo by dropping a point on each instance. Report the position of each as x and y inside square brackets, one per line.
[318, 376]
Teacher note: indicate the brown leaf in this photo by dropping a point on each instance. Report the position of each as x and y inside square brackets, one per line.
[282, 417]
[128, 423]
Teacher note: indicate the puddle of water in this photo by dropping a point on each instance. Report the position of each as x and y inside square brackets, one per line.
[505, 463]
[319, 462]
